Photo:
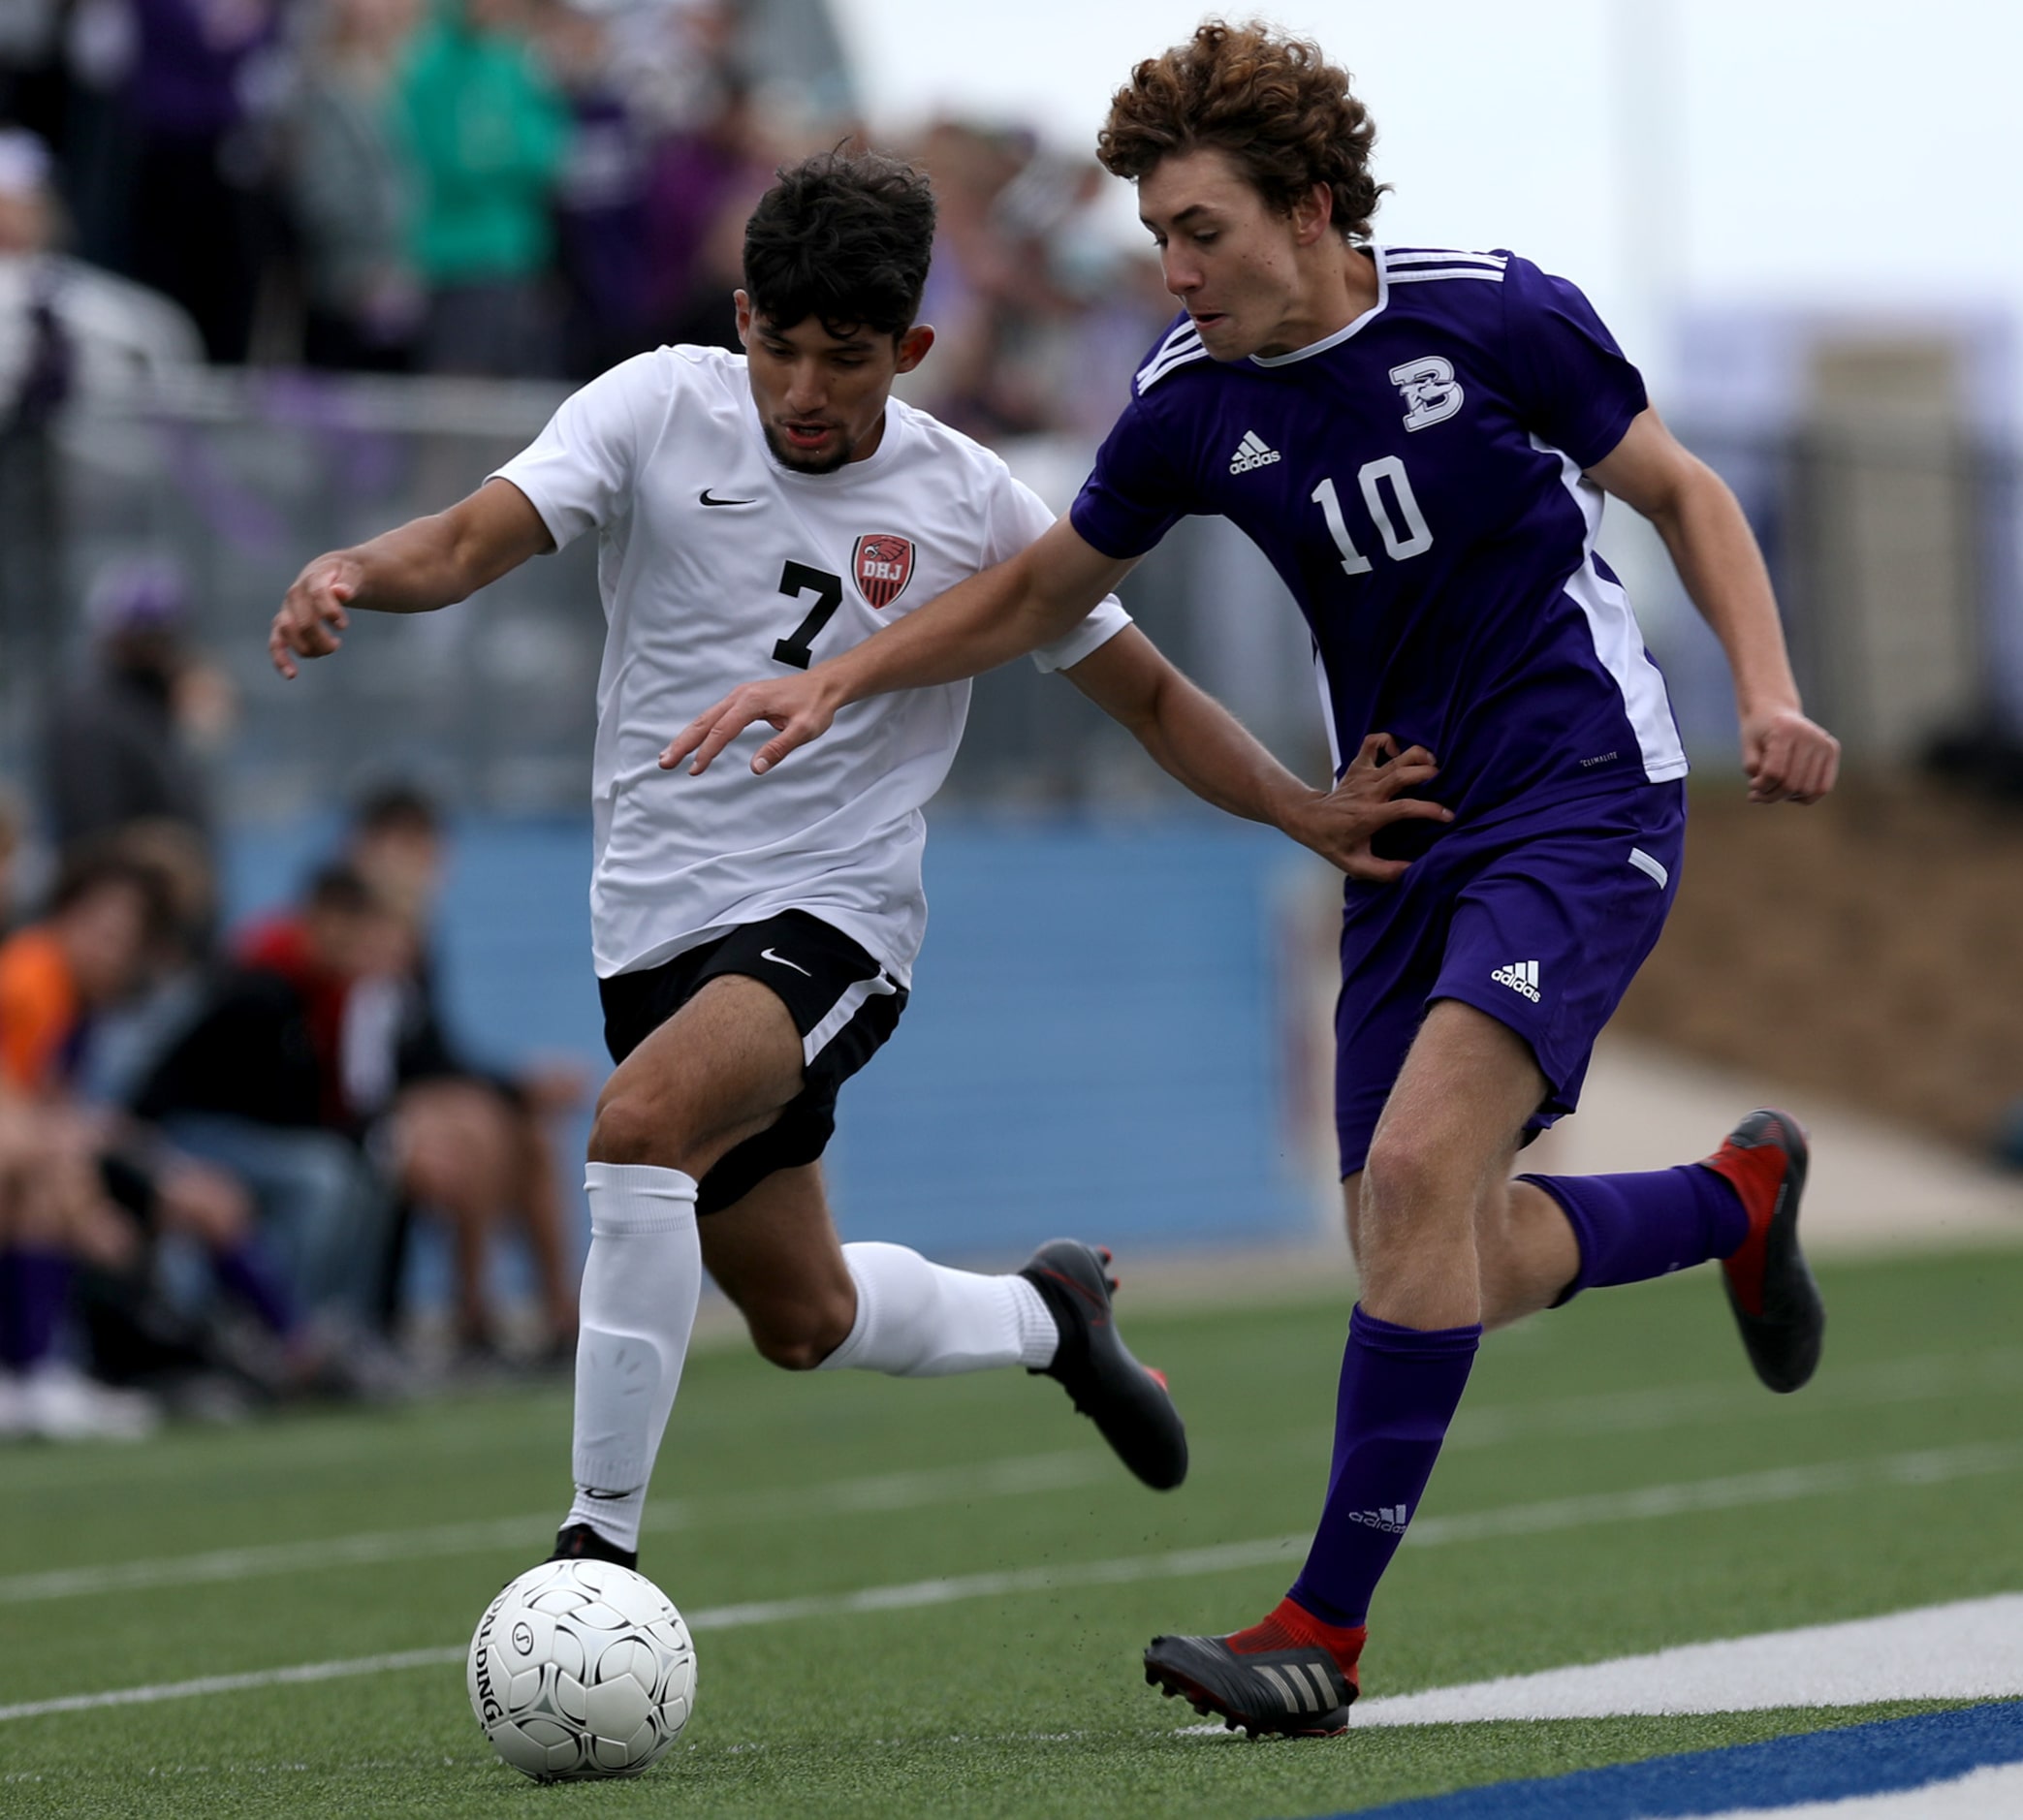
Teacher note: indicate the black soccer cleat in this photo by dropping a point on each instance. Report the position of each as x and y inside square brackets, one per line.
[1777, 1303]
[579, 1542]
[1290, 1693]
[1127, 1401]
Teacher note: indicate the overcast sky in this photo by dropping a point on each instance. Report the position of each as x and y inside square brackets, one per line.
[1863, 153]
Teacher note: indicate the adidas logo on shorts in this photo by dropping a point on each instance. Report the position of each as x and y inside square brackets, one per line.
[1253, 452]
[1520, 975]
[1391, 1518]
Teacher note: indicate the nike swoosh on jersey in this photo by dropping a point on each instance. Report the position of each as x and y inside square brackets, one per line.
[767, 954]
[709, 500]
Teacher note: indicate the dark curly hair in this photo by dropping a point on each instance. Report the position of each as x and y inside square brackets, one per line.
[844, 237]
[1282, 112]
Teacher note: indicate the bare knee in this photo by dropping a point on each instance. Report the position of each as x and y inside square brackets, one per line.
[1416, 1208]
[790, 1348]
[798, 1335]
[1409, 1179]
[632, 1126]
[635, 1124]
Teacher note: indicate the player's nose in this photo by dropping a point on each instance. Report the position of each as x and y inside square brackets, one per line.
[807, 389]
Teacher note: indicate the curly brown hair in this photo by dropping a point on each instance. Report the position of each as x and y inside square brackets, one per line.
[1282, 112]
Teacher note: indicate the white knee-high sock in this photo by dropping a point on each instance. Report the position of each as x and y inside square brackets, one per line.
[920, 1320]
[639, 1285]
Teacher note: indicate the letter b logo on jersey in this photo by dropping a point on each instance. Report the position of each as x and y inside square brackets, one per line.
[883, 565]
[1429, 388]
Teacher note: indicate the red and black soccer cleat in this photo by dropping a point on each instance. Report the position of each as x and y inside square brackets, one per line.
[579, 1542]
[1775, 1301]
[1127, 1401]
[1290, 1675]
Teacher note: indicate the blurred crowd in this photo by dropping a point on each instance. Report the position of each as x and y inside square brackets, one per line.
[217, 1143]
[515, 188]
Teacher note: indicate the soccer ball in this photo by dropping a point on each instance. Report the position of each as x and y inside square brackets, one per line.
[581, 1669]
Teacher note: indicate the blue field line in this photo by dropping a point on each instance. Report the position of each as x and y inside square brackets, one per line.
[1884, 1757]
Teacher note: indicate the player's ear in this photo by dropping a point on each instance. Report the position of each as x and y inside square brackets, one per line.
[743, 309]
[1312, 214]
[913, 347]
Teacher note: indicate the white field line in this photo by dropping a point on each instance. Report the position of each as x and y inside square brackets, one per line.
[1968, 1649]
[1646, 1412]
[1920, 1379]
[1780, 1486]
[883, 1491]
[1934, 1468]
[235, 1683]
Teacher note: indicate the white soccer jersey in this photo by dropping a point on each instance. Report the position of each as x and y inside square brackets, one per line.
[716, 565]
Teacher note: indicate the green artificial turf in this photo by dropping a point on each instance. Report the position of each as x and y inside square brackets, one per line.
[773, 1486]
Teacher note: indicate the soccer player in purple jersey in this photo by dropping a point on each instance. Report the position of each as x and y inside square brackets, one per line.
[1420, 440]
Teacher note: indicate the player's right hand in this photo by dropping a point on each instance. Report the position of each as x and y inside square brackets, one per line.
[801, 707]
[1341, 823]
[312, 613]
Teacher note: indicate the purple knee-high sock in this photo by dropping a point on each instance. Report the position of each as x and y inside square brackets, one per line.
[33, 1287]
[1633, 1227]
[244, 1271]
[1400, 1386]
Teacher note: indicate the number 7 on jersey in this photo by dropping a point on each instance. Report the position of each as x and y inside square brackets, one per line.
[796, 580]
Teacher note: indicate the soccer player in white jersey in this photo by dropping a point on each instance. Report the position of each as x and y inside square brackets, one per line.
[754, 940]
[1420, 440]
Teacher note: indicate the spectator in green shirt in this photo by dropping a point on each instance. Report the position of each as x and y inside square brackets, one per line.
[489, 132]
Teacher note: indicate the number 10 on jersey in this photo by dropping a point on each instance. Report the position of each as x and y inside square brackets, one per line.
[1371, 478]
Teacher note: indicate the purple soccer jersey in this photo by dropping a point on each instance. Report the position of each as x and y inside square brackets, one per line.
[1416, 480]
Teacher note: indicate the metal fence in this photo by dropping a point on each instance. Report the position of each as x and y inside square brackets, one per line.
[244, 476]
[1896, 559]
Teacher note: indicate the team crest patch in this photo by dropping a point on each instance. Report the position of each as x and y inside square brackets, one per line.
[883, 564]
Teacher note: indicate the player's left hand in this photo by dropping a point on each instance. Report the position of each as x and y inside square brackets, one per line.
[1341, 823]
[800, 707]
[1788, 758]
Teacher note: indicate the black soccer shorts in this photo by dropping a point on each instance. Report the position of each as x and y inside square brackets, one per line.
[841, 1001]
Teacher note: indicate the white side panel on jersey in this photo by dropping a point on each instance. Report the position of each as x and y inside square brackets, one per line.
[1327, 712]
[1619, 643]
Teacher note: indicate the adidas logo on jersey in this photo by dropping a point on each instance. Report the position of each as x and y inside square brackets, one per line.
[1391, 1518]
[1520, 975]
[1253, 452]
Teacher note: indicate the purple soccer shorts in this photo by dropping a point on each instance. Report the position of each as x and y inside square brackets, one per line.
[1539, 918]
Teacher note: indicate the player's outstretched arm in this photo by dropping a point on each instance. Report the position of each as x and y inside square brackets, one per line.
[1035, 597]
[420, 566]
[1787, 757]
[1199, 741]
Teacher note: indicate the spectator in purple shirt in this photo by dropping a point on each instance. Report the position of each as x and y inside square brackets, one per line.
[194, 211]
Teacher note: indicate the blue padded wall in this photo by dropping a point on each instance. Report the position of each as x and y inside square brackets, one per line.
[1096, 1041]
